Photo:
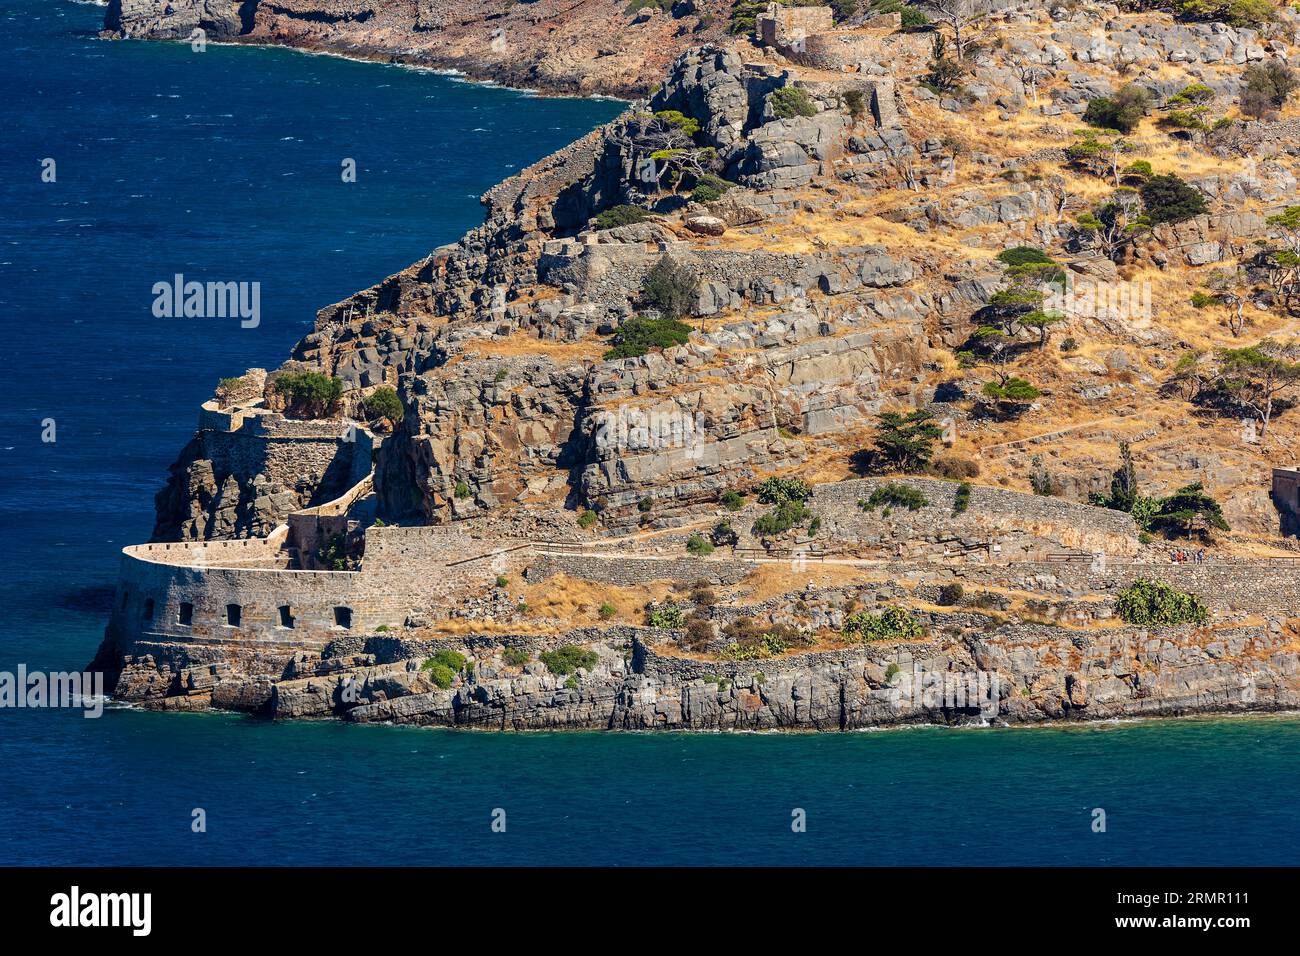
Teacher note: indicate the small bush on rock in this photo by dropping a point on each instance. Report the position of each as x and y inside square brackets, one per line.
[621, 216]
[516, 656]
[699, 545]
[791, 101]
[1167, 198]
[1155, 603]
[639, 335]
[892, 624]
[775, 491]
[895, 495]
[383, 403]
[668, 618]
[309, 394]
[568, 659]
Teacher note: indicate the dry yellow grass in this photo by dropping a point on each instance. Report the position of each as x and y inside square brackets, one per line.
[577, 602]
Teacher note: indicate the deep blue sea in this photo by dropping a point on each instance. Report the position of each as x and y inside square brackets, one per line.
[226, 165]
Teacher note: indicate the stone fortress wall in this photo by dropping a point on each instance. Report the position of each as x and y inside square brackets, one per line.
[185, 593]
[246, 442]
[255, 592]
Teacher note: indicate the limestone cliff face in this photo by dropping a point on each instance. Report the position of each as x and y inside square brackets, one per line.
[1021, 674]
[166, 20]
[586, 46]
[495, 341]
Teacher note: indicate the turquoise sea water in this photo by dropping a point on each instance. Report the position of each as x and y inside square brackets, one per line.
[225, 165]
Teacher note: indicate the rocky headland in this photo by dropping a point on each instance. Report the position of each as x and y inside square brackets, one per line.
[588, 47]
[846, 380]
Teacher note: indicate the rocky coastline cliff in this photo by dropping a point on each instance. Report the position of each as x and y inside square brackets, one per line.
[586, 47]
[622, 456]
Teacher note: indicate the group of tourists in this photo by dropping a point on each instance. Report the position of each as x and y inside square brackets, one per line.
[1183, 555]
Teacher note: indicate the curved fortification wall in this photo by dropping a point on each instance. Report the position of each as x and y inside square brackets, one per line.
[245, 591]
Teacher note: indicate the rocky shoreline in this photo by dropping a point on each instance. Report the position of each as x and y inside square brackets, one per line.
[584, 48]
[1021, 674]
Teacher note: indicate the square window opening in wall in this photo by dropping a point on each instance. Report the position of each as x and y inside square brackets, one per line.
[343, 617]
[185, 615]
[233, 614]
[286, 615]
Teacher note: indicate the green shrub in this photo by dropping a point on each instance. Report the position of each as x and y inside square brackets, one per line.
[1167, 198]
[333, 553]
[587, 519]
[440, 674]
[1154, 603]
[892, 671]
[462, 490]
[733, 501]
[453, 659]
[1123, 111]
[1266, 88]
[843, 9]
[855, 101]
[443, 667]
[1025, 256]
[961, 501]
[699, 545]
[502, 581]
[895, 495]
[914, 20]
[607, 612]
[622, 216]
[309, 394]
[516, 656]
[791, 101]
[383, 403]
[645, 505]
[1237, 13]
[709, 187]
[669, 617]
[671, 287]
[776, 491]
[744, 14]
[638, 335]
[892, 624]
[951, 594]
[568, 659]
[787, 515]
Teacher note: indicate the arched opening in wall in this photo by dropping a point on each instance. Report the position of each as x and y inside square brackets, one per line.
[343, 617]
[233, 614]
[185, 615]
[146, 613]
[126, 597]
[286, 615]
